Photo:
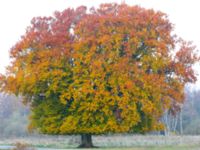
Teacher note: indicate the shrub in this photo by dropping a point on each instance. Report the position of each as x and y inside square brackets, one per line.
[22, 146]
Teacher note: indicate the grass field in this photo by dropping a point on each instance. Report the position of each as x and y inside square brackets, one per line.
[111, 142]
[135, 148]
[158, 148]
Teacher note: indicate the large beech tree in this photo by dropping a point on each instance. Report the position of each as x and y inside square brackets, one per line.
[111, 69]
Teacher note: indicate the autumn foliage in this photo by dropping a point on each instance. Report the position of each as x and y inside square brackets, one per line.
[111, 69]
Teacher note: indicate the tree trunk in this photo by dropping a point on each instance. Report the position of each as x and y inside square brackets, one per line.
[86, 141]
[181, 122]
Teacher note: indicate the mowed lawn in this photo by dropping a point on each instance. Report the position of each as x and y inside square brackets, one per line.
[153, 148]
[109, 142]
[133, 148]
[157, 148]
[197, 147]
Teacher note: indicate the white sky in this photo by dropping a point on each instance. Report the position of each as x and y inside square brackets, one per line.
[15, 16]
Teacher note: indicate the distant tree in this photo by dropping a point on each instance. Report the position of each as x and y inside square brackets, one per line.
[191, 112]
[111, 69]
[13, 116]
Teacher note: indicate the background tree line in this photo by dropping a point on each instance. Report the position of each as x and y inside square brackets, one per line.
[13, 116]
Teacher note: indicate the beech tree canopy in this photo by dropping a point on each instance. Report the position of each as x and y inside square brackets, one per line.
[111, 69]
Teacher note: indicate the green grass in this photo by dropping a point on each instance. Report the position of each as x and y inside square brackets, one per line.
[153, 148]
[112, 142]
[145, 148]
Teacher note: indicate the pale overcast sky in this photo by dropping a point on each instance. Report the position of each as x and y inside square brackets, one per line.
[15, 16]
